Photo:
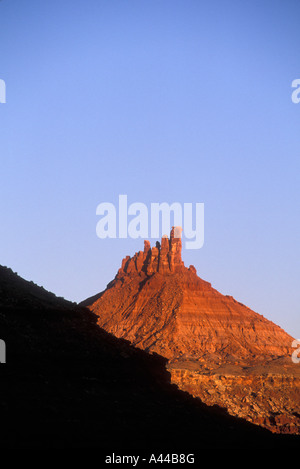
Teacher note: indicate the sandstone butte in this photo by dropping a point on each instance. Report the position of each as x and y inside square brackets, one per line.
[217, 348]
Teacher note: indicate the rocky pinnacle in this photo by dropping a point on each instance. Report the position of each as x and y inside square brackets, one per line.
[164, 257]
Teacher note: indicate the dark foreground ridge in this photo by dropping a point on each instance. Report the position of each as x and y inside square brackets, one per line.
[67, 383]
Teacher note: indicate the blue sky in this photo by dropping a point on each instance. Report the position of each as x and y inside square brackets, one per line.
[165, 101]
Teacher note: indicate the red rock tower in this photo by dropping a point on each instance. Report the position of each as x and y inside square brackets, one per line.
[161, 306]
[164, 257]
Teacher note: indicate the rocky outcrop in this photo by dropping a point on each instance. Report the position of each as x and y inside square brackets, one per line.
[162, 306]
[164, 257]
[268, 397]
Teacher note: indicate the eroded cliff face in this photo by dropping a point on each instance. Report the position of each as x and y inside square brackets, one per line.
[162, 306]
[268, 396]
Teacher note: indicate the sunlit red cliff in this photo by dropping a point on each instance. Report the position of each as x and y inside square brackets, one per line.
[162, 306]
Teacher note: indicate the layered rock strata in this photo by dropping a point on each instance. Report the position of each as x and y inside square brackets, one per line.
[161, 306]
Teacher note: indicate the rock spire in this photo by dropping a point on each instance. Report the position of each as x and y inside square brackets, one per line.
[164, 257]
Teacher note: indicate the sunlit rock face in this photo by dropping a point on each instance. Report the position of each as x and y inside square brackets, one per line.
[162, 306]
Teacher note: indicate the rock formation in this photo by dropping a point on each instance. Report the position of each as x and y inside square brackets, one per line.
[164, 258]
[162, 306]
[69, 384]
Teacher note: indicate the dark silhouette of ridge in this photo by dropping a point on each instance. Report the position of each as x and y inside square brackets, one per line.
[69, 384]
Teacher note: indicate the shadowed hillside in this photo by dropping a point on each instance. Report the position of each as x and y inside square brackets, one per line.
[68, 383]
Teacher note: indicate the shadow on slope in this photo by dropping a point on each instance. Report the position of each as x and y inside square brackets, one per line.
[67, 383]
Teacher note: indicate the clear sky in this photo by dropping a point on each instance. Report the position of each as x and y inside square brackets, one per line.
[165, 101]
